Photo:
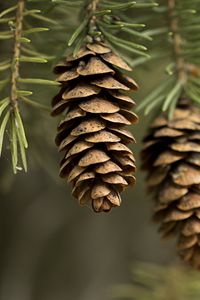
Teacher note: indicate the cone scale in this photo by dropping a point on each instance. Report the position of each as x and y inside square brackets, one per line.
[171, 157]
[95, 109]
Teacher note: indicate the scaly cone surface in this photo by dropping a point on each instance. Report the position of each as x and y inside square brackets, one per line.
[171, 156]
[97, 161]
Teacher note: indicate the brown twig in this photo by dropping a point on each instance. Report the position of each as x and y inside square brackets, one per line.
[177, 42]
[92, 7]
[16, 53]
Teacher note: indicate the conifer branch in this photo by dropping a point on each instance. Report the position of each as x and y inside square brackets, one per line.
[179, 37]
[175, 282]
[12, 121]
[16, 53]
[177, 42]
[102, 20]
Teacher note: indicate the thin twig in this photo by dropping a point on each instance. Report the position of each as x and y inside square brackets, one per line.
[92, 7]
[16, 53]
[177, 42]
[94, 4]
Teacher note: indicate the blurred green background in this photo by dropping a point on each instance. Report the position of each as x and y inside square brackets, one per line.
[50, 248]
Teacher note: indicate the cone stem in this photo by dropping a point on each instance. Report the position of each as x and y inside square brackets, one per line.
[16, 52]
[92, 7]
[177, 41]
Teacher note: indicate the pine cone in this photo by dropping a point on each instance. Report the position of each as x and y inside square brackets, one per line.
[171, 155]
[97, 160]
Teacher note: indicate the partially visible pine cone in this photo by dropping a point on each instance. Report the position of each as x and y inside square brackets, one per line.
[97, 160]
[171, 155]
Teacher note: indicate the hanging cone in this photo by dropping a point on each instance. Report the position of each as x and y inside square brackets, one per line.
[171, 155]
[96, 160]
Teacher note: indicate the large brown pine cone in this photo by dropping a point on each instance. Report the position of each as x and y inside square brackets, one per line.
[96, 160]
[171, 155]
